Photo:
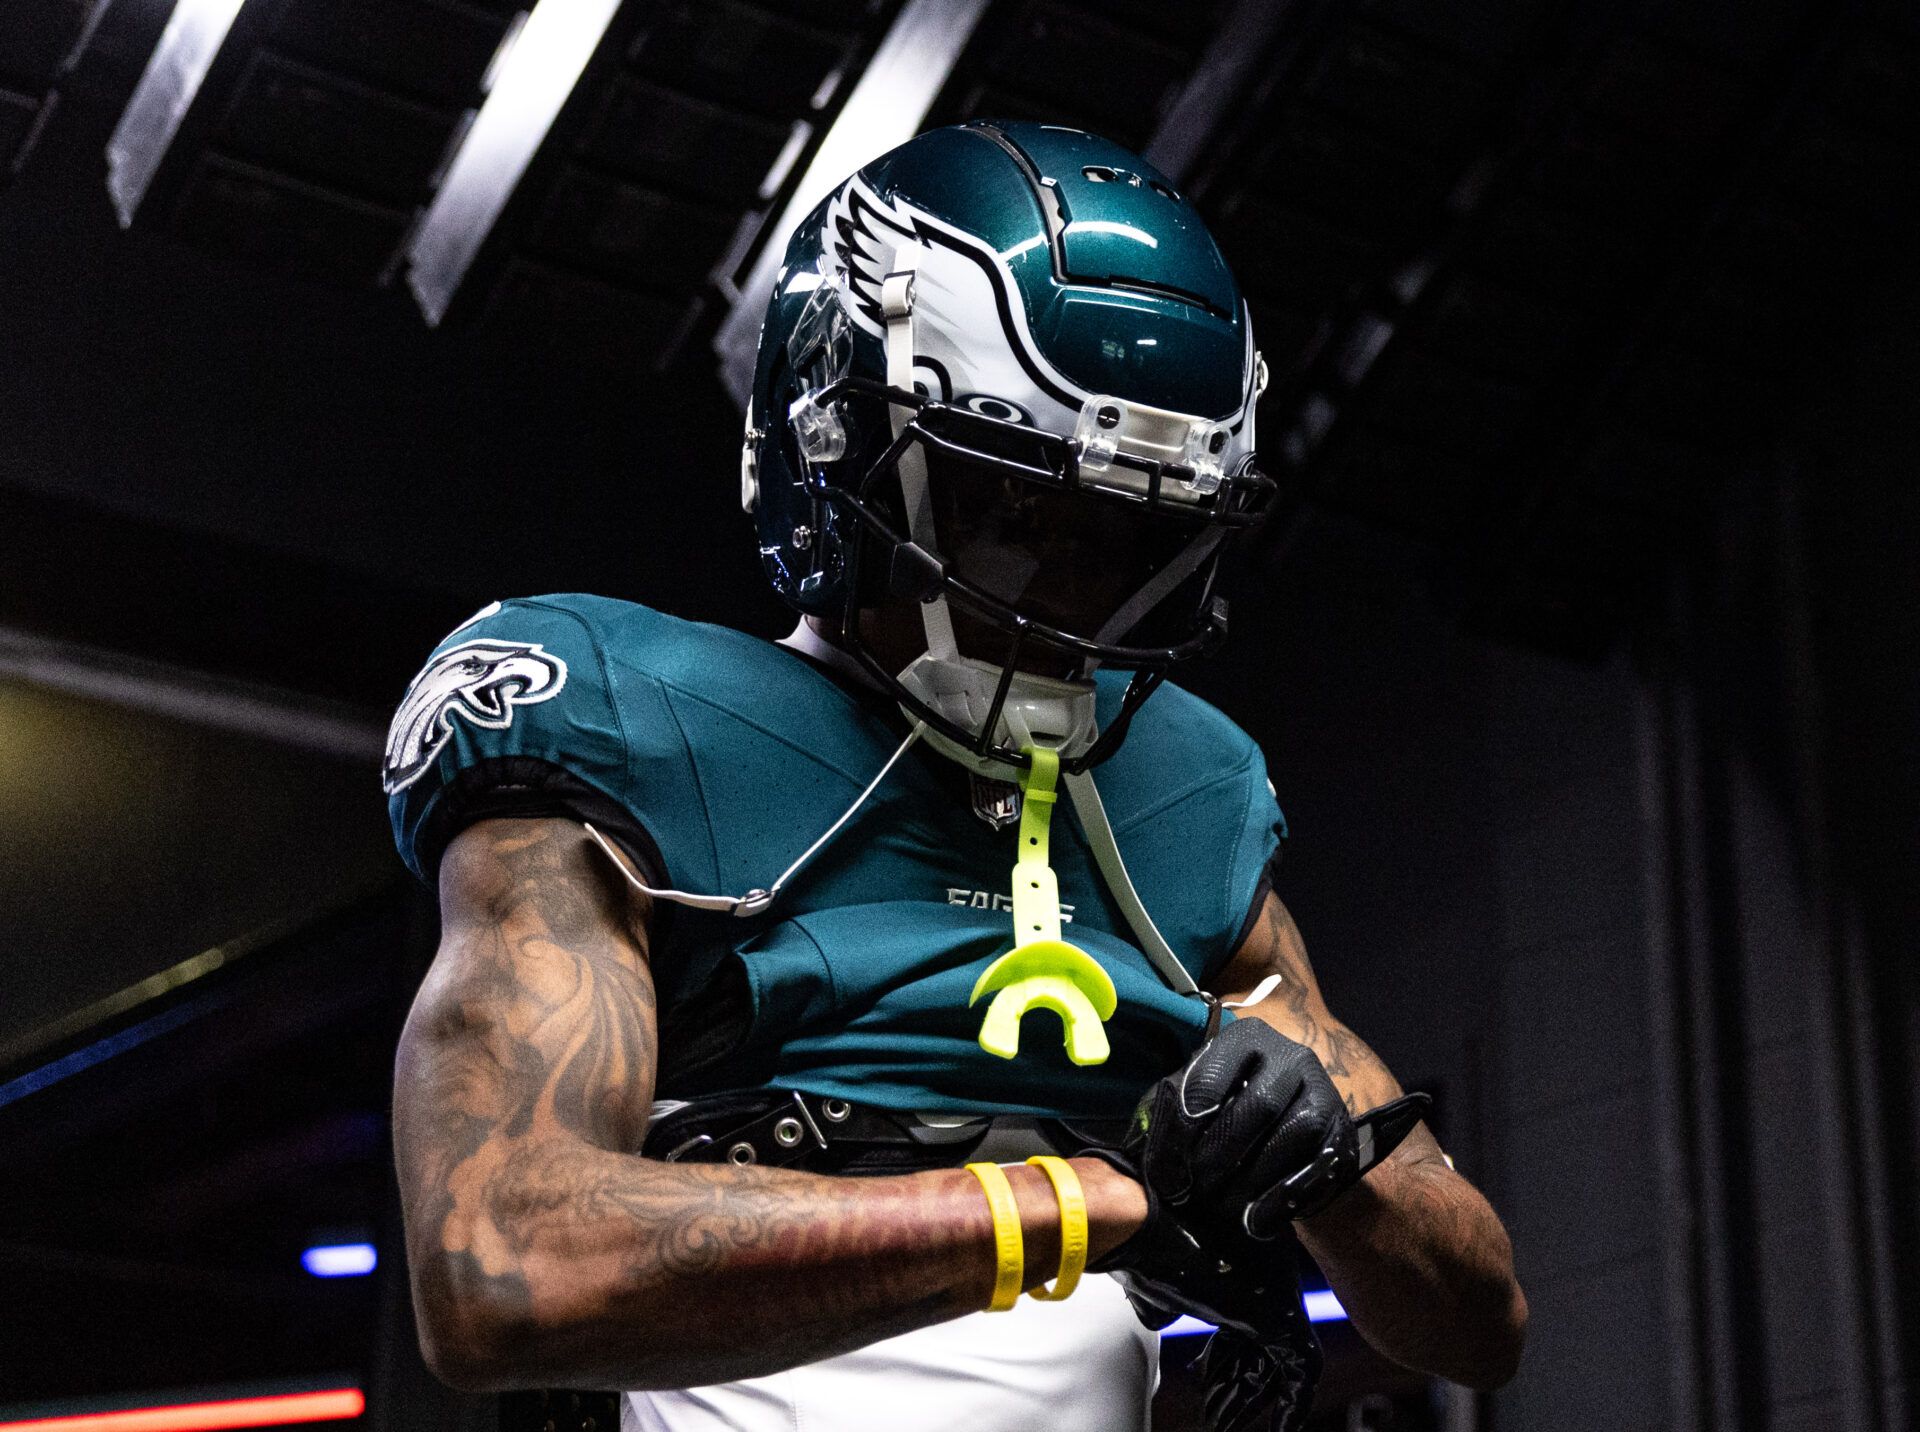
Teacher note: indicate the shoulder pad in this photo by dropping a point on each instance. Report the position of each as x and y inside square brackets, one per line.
[1196, 819]
[488, 671]
[518, 684]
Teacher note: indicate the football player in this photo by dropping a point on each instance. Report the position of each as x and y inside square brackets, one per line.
[719, 1089]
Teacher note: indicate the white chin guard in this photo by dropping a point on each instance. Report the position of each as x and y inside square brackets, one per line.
[1039, 710]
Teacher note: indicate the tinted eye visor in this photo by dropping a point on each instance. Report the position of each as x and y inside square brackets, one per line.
[1159, 504]
[1050, 552]
[883, 562]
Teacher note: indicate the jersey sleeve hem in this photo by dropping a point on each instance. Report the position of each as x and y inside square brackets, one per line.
[530, 788]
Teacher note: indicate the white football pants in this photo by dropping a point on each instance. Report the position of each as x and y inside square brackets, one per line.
[1085, 1365]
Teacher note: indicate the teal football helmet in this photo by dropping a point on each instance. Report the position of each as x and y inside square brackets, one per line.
[1006, 373]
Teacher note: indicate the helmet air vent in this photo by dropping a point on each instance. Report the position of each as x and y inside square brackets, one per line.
[1107, 174]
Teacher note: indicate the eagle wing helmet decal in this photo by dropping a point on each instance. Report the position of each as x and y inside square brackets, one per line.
[974, 342]
[861, 238]
[479, 681]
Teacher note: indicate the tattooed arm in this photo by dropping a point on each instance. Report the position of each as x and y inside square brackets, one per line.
[1418, 1257]
[546, 1252]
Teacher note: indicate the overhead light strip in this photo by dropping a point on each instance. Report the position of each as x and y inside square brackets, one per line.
[337, 1404]
[533, 75]
[101, 1050]
[124, 1001]
[96, 12]
[886, 108]
[177, 68]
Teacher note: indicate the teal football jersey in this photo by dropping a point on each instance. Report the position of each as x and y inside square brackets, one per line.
[717, 758]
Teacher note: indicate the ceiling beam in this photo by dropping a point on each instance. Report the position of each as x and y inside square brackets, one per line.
[886, 108]
[530, 80]
[177, 68]
[283, 717]
[1235, 55]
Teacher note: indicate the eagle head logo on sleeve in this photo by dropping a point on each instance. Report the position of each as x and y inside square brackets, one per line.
[478, 681]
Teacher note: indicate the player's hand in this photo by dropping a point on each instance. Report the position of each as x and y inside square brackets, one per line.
[1251, 1133]
[1248, 1136]
[1260, 1367]
[1248, 1386]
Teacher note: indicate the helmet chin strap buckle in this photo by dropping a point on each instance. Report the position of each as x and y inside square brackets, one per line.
[817, 428]
[1108, 426]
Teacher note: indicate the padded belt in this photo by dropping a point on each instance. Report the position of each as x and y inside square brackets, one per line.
[784, 1128]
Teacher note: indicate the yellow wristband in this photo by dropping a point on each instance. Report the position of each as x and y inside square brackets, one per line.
[1073, 1227]
[1008, 1248]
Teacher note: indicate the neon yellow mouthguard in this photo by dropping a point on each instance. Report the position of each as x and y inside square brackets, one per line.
[1043, 972]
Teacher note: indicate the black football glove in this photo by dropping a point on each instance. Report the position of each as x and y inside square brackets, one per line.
[1250, 1386]
[1250, 1135]
[1264, 1360]
[1252, 1130]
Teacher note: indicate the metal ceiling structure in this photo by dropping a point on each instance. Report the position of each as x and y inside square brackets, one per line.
[39, 45]
[1507, 260]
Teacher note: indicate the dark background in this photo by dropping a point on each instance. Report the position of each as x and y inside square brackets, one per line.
[1583, 652]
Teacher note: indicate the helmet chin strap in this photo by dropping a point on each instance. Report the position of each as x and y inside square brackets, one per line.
[896, 304]
[1106, 856]
[1038, 710]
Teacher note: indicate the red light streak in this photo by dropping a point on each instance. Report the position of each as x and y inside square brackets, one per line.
[333, 1405]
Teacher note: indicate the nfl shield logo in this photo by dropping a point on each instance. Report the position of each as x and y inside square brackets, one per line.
[995, 802]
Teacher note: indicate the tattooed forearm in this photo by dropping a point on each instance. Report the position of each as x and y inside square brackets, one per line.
[546, 1251]
[1418, 1257]
[1297, 1010]
[1425, 1270]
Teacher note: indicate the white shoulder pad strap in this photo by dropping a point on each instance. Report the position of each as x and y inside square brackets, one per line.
[754, 901]
[1106, 854]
